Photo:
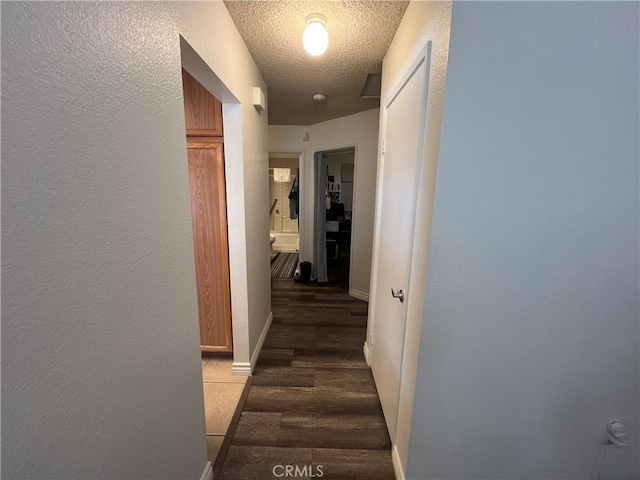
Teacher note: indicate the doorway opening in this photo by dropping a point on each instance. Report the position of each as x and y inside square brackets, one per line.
[336, 202]
[193, 63]
[215, 174]
[284, 213]
[205, 155]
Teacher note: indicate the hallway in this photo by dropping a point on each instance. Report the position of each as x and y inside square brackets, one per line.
[312, 400]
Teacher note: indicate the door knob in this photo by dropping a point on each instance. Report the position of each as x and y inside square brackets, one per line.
[399, 294]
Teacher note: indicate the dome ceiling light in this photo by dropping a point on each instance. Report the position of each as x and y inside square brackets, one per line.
[315, 37]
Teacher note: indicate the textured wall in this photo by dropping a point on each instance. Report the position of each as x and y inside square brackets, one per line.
[361, 130]
[423, 22]
[100, 346]
[531, 328]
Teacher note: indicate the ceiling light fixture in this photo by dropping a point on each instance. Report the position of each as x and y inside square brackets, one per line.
[315, 37]
[319, 97]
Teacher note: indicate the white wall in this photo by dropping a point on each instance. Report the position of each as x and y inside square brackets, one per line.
[359, 130]
[275, 162]
[531, 327]
[101, 373]
[423, 22]
[334, 167]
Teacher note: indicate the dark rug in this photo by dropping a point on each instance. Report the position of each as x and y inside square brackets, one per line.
[283, 265]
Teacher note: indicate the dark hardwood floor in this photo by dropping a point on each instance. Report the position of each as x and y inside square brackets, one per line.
[312, 401]
[338, 270]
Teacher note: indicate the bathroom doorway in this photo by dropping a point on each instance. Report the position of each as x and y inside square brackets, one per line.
[284, 213]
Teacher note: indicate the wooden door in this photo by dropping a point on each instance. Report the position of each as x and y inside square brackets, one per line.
[202, 111]
[205, 153]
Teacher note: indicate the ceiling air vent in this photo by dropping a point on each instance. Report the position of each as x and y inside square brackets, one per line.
[372, 86]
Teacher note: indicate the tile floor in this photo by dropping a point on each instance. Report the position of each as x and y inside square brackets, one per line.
[222, 391]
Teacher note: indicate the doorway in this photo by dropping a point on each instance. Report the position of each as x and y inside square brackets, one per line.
[340, 177]
[207, 186]
[284, 202]
[205, 155]
[335, 176]
[284, 214]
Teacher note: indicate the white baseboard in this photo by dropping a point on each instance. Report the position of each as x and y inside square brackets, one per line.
[397, 464]
[208, 472]
[359, 295]
[263, 336]
[241, 368]
[246, 368]
[365, 350]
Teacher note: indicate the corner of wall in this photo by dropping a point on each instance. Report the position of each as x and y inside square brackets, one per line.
[359, 295]
[246, 368]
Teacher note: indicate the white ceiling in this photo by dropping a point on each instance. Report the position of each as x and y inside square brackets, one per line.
[359, 35]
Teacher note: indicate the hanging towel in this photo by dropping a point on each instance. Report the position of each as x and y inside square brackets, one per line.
[281, 174]
[293, 200]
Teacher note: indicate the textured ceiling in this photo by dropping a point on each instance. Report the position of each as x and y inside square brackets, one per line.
[359, 35]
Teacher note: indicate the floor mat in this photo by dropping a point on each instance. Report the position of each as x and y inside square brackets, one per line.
[283, 265]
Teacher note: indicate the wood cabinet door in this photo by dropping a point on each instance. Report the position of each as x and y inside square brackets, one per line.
[210, 242]
[202, 111]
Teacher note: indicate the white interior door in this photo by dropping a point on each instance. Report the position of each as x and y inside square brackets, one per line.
[402, 155]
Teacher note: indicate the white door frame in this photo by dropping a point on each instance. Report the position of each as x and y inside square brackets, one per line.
[353, 200]
[193, 63]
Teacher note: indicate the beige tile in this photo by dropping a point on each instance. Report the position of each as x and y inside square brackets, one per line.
[218, 369]
[214, 442]
[220, 401]
[205, 360]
